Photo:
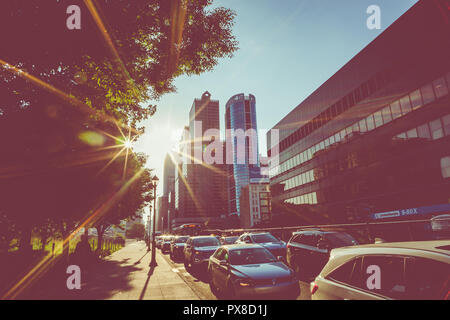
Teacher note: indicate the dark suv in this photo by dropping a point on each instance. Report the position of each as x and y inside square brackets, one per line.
[308, 251]
[197, 250]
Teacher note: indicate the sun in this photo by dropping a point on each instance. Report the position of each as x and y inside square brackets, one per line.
[128, 144]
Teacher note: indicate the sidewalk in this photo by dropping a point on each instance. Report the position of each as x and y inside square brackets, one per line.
[160, 284]
[124, 275]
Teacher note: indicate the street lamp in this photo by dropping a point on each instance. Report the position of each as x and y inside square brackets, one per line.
[153, 260]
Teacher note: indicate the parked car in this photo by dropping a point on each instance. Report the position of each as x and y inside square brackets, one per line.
[198, 250]
[228, 239]
[165, 244]
[247, 270]
[267, 240]
[177, 247]
[308, 251]
[398, 270]
[158, 241]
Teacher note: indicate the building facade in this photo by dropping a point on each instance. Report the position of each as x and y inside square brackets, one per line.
[204, 180]
[240, 117]
[375, 137]
[255, 202]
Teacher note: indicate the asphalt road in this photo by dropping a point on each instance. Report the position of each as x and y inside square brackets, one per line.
[198, 281]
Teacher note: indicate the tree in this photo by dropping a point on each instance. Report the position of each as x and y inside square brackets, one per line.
[68, 97]
[137, 231]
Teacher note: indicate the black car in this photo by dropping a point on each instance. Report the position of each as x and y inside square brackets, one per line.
[267, 240]
[177, 247]
[309, 251]
[228, 240]
[165, 245]
[248, 270]
[198, 250]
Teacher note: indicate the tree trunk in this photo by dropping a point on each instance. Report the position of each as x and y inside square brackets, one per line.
[100, 231]
[25, 242]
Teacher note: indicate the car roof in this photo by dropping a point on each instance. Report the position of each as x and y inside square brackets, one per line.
[416, 248]
[236, 246]
[438, 250]
[199, 237]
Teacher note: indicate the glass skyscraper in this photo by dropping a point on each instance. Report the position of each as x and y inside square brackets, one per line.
[240, 116]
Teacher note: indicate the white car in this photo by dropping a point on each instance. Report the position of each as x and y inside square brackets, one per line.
[398, 270]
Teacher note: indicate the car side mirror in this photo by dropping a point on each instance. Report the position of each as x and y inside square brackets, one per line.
[223, 263]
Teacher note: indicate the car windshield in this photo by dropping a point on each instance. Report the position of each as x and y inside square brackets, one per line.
[230, 240]
[206, 242]
[181, 239]
[341, 239]
[263, 238]
[250, 256]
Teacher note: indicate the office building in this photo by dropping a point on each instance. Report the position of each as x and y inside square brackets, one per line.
[374, 140]
[240, 118]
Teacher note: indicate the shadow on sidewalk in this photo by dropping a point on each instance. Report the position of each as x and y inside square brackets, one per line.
[99, 281]
[150, 273]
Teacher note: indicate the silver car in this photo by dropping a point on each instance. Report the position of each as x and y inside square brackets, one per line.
[247, 270]
[398, 270]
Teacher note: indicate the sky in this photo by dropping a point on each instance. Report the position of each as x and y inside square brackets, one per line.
[288, 49]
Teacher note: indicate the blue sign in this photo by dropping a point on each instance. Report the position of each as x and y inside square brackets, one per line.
[412, 211]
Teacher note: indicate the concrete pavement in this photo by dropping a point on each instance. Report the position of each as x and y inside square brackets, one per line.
[145, 283]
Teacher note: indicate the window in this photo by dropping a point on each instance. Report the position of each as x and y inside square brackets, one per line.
[392, 277]
[440, 88]
[396, 111]
[424, 131]
[378, 119]
[327, 142]
[357, 95]
[349, 273]
[427, 93]
[343, 134]
[322, 145]
[348, 130]
[446, 122]
[416, 100]
[405, 104]
[308, 240]
[363, 125]
[387, 116]
[332, 141]
[412, 133]
[370, 123]
[337, 137]
[436, 129]
[445, 166]
[355, 127]
[426, 279]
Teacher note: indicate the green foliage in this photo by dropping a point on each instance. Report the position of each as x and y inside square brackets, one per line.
[137, 231]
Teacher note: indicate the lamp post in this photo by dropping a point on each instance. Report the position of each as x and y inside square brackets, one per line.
[153, 260]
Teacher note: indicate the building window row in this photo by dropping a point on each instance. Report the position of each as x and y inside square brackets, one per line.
[399, 108]
[434, 130]
[369, 87]
[299, 180]
[309, 198]
[445, 166]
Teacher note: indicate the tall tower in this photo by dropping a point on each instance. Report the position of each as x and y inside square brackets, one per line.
[203, 179]
[240, 122]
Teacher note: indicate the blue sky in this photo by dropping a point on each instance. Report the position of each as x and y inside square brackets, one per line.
[288, 48]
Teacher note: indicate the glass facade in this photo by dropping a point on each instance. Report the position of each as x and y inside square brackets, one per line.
[241, 115]
[396, 109]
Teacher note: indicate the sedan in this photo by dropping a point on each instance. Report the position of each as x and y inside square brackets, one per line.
[247, 270]
[177, 247]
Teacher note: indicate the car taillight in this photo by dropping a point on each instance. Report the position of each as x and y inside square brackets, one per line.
[314, 288]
